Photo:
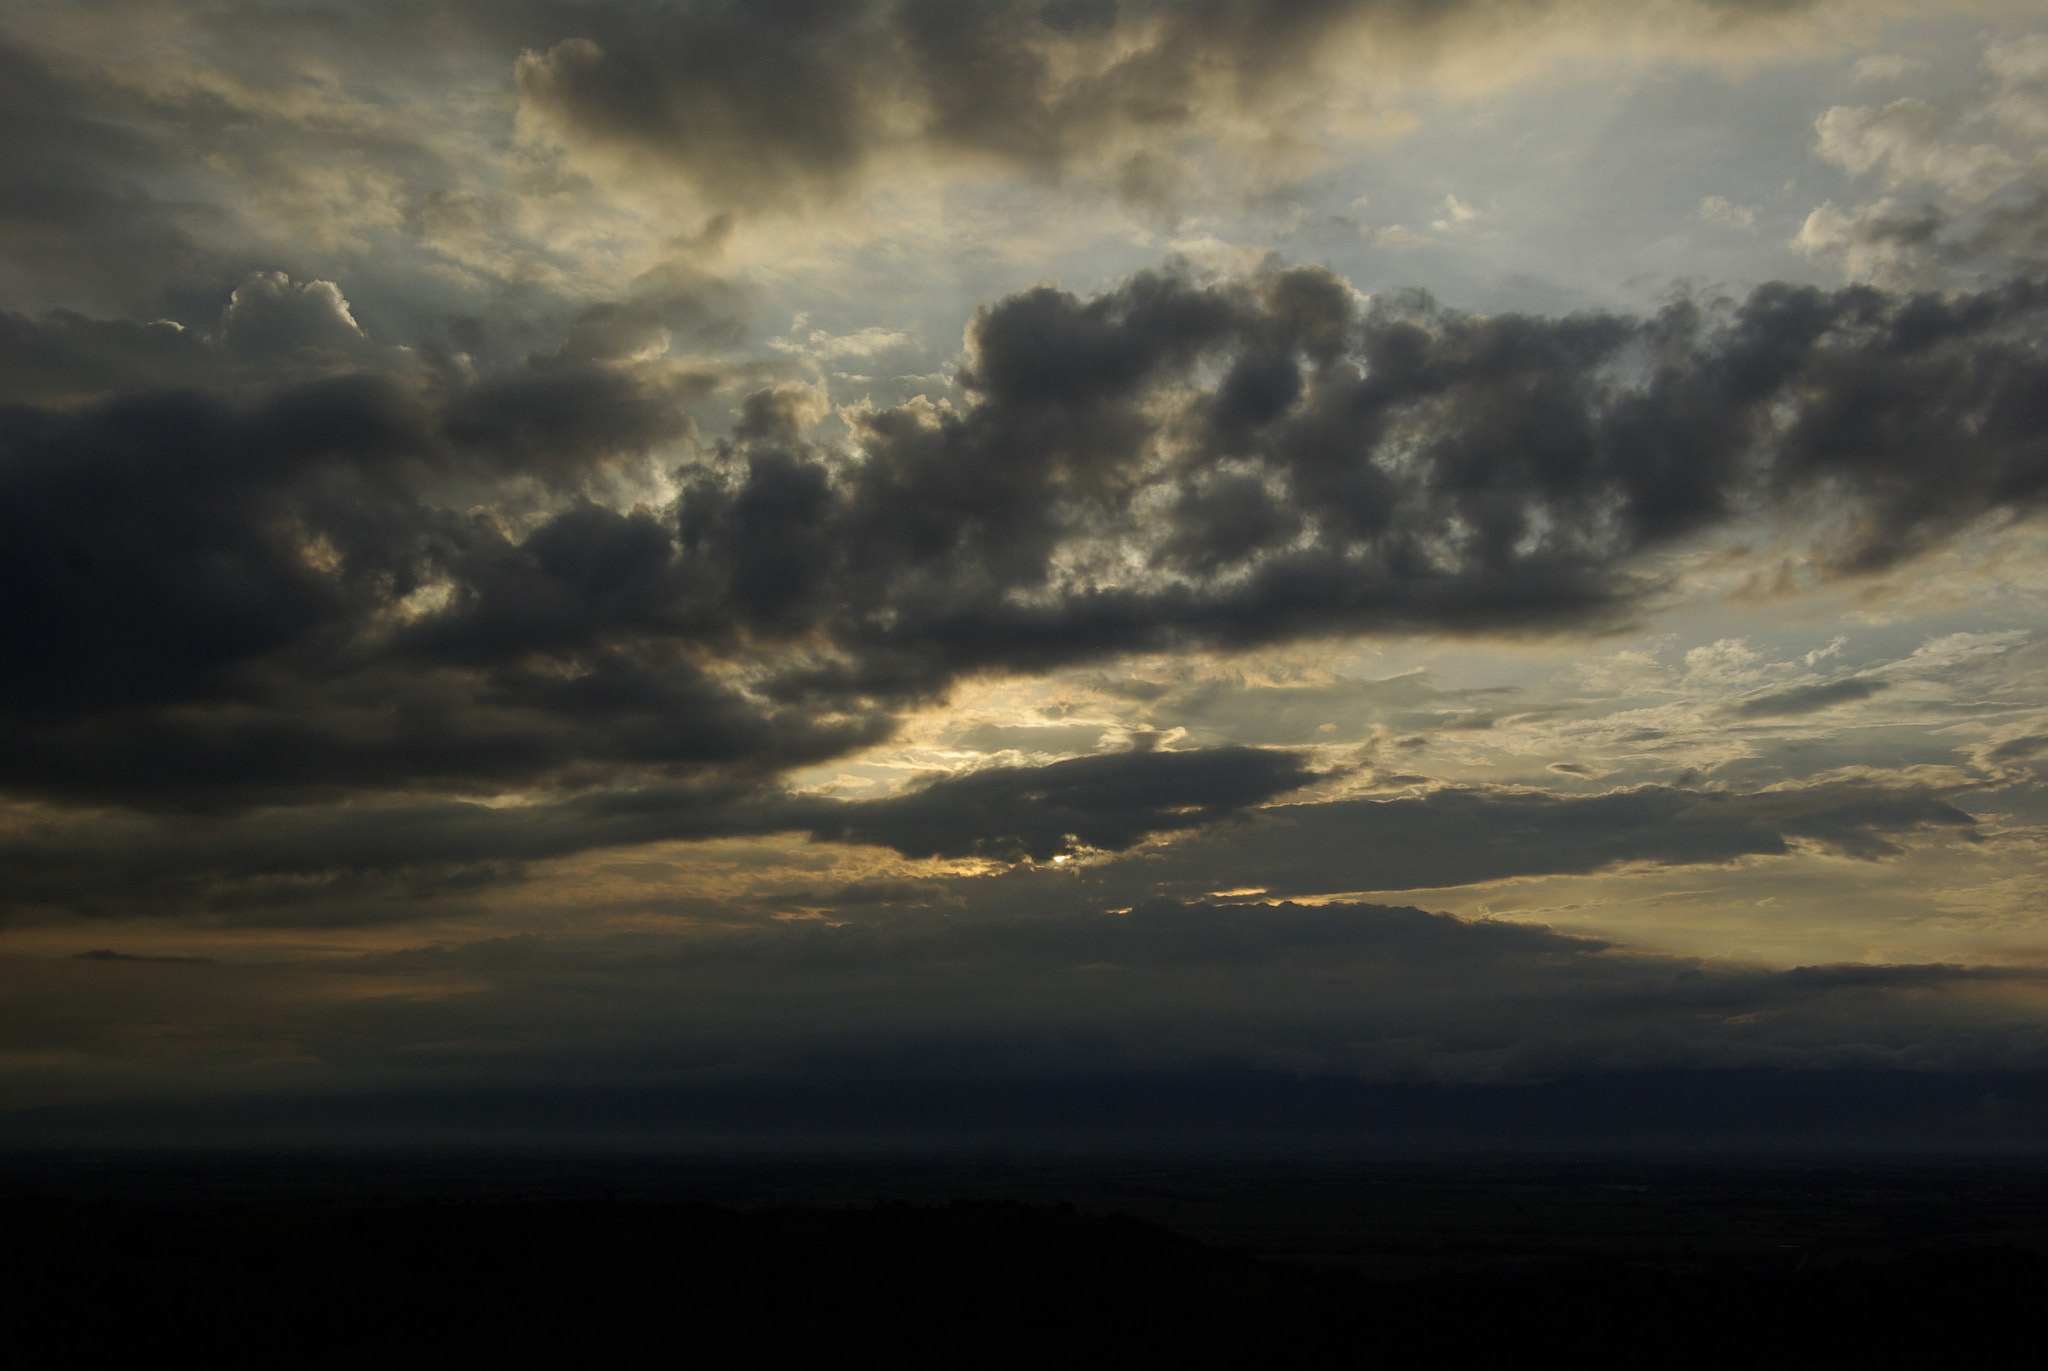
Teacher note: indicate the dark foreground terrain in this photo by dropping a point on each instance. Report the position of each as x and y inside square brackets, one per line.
[297, 1261]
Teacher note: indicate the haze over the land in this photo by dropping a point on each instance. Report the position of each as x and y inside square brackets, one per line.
[552, 543]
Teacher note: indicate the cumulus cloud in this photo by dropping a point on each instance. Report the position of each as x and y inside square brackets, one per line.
[195, 571]
[1902, 144]
[1536, 458]
[1957, 204]
[1880, 241]
[268, 315]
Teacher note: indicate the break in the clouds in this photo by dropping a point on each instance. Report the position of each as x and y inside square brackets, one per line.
[1035, 526]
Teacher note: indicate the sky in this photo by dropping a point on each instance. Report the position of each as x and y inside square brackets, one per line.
[868, 546]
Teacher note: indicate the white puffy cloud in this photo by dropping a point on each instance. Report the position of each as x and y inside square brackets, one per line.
[1904, 143]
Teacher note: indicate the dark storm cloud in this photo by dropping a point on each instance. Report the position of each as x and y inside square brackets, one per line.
[561, 421]
[768, 102]
[204, 589]
[147, 546]
[940, 550]
[1907, 379]
[748, 98]
[1396, 467]
[282, 574]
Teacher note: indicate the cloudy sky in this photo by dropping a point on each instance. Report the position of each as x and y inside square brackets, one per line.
[653, 543]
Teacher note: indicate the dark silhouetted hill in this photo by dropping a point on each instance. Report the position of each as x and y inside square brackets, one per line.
[964, 1284]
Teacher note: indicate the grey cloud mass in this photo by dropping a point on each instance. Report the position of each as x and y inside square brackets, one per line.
[1807, 699]
[223, 584]
[769, 104]
[318, 866]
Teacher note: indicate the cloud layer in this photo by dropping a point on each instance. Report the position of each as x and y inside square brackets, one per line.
[255, 587]
[457, 630]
